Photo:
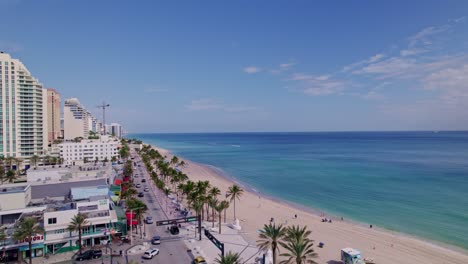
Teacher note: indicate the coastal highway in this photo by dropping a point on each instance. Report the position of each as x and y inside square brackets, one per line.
[172, 249]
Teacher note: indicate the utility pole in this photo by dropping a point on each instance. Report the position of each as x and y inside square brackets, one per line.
[103, 106]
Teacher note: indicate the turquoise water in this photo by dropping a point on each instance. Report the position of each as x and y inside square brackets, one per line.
[412, 182]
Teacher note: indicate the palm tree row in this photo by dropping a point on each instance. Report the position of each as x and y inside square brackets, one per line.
[200, 196]
[294, 239]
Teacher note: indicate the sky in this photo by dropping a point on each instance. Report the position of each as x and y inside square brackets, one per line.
[247, 66]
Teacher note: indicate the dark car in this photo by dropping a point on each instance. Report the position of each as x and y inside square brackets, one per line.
[174, 230]
[141, 194]
[143, 180]
[89, 254]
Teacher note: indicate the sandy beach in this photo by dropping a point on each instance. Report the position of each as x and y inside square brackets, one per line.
[385, 247]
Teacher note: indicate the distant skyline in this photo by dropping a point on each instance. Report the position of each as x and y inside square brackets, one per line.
[243, 66]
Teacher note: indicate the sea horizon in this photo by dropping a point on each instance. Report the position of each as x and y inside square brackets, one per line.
[211, 151]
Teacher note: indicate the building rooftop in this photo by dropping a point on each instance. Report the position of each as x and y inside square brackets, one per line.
[13, 189]
[61, 189]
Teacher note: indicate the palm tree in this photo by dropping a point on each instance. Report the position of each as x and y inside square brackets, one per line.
[229, 258]
[299, 252]
[26, 230]
[167, 192]
[2, 173]
[235, 192]
[18, 162]
[10, 176]
[270, 237]
[225, 207]
[46, 160]
[78, 222]
[298, 245]
[129, 193]
[213, 204]
[197, 205]
[10, 161]
[219, 207]
[139, 208]
[34, 159]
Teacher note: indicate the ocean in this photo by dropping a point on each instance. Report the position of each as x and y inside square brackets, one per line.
[410, 182]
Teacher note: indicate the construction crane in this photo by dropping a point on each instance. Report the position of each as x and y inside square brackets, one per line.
[103, 106]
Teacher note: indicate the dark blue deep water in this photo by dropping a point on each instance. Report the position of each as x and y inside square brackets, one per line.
[412, 182]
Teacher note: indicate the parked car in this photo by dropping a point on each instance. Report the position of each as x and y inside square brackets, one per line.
[149, 254]
[146, 189]
[141, 194]
[89, 254]
[199, 260]
[143, 180]
[156, 240]
[138, 185]
[149, 220]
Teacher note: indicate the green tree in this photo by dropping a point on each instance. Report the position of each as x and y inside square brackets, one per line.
[78, 222]
[19, 164]
[270, 237]
[219, 207]
[298, 246]
[138, 208]
[10, 176]
[225, 205]
[167, 192]
[26, 230]
[9, 161]
[229, 258]
[2, 173]
[235, 192]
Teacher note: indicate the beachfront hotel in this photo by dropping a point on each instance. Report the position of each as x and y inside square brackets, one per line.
[89, 150]
[75, 120]
[23, 122]
[53, 115]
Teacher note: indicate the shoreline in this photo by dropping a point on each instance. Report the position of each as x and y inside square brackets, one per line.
[429, 250]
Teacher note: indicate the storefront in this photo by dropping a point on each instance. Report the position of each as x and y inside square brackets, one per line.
[37, 250]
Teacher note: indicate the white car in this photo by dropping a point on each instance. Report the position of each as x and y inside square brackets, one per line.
[149, 254]
[146, 189]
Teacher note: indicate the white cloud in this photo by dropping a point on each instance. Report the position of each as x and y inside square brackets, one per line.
[411, 52]
[286, 65]
[355, 65]
[252, 69]
[451, 82]
[213, 104]
[392, 66]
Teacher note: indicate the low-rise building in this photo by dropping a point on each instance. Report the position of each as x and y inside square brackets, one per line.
[88, 150]
[54, 206]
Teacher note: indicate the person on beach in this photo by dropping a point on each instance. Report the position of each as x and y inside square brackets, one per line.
[295, 216]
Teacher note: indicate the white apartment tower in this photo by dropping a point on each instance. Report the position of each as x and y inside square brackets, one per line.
[23, 122]
[116, 130]
[75, 120]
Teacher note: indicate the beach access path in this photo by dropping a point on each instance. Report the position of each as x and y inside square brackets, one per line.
[383, 246]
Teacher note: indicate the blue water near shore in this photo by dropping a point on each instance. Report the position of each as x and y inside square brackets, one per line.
[411, 182]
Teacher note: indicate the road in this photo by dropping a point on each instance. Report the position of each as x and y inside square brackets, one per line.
[172, 248]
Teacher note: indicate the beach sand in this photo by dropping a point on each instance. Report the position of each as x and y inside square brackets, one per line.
[385, 247]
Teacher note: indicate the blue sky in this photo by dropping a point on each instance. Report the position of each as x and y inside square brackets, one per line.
[210, 66]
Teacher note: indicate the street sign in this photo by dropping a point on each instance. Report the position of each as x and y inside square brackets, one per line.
[176, 221]
[215, 241]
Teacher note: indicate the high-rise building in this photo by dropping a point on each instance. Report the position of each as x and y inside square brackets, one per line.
[116, 130]
[75, 120]
[23, 127]
[53, 115]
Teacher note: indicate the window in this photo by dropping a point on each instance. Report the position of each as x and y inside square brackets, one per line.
[52, 221]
